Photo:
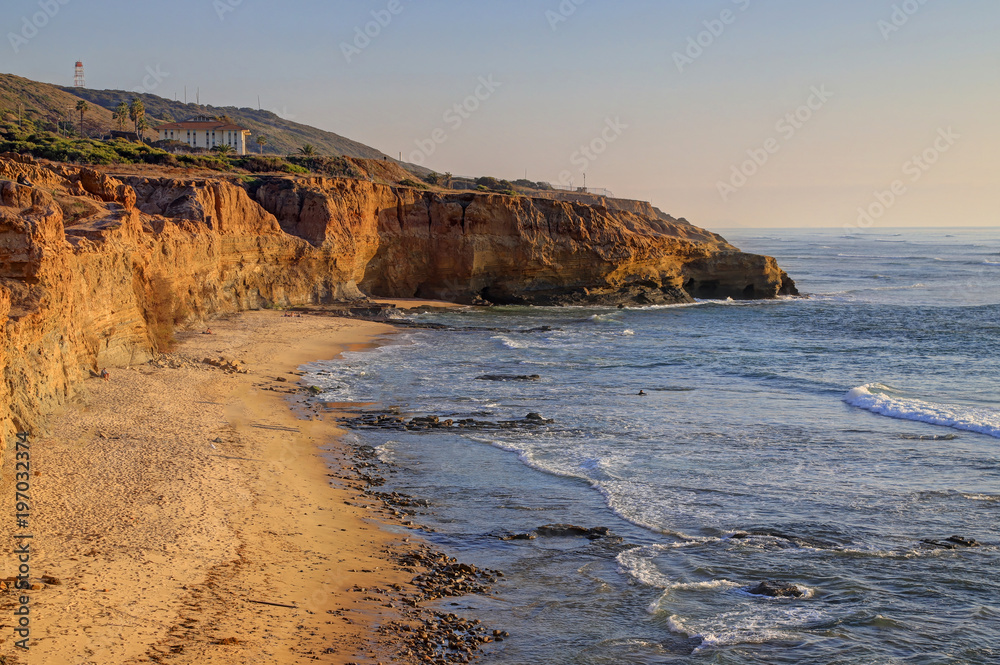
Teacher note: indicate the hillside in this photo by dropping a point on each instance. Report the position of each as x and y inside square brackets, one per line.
[47, 105]
[284, 137]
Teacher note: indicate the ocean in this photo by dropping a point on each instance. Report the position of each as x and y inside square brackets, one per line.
[833, 442]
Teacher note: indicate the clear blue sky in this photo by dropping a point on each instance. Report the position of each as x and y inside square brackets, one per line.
[886, 80]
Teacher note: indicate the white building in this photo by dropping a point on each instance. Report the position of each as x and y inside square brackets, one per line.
[206, 133]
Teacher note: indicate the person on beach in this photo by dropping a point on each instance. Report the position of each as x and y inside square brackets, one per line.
[105, 374]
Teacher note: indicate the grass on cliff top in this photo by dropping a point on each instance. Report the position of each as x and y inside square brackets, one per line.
[32, 138]
[37, 138]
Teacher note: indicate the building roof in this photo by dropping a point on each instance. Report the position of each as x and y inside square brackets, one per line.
[201, 125]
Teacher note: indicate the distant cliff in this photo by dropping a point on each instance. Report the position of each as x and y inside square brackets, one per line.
[96, 271]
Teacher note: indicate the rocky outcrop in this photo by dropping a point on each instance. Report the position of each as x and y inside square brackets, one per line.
[474, 247]
[97, 270]
[775, 590]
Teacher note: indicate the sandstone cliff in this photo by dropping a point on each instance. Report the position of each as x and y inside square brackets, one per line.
[96, 271]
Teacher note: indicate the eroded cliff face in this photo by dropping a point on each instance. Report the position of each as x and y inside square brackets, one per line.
[473, 247]
[96, 271]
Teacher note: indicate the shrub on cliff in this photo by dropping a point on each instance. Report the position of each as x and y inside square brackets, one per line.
[259, 163]
[495, 185]
[84, 151]
[205, 162]
[335, 167]
[529, 184]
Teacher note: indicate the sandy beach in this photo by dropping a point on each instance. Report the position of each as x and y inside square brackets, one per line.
[187, 515]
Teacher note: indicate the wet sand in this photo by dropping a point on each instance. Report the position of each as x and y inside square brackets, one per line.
[188, 513]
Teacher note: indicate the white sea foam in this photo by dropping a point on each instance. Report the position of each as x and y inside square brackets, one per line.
[639, 563]
[879, 399]
[510, 343]
[982, 497]
[734, 628]
[387, 452]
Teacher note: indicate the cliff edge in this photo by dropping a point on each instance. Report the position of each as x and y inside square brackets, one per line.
[96, 270]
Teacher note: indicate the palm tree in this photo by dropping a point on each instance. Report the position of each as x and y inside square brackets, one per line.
[137, 112]
[223, 149]
[261, 141]
[141, 127]
[121, 115]
[307, 150]
[82, 107]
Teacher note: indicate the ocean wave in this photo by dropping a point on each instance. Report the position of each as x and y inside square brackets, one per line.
[510, 343]
[638, 563]
[728, 302]
[884, 257]
[981, 497]
[918, 285]
[991, 263]
[879, 399]
[731, 628]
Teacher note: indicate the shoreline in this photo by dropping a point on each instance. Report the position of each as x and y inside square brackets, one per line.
[187, 512]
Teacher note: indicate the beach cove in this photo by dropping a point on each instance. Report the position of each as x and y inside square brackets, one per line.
[183, 513]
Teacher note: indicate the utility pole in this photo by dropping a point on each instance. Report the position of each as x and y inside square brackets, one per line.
[185, 94]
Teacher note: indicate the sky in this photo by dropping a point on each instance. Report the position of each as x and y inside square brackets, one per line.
[731, 113]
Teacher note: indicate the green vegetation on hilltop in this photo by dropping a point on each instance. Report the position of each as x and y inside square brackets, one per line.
[283, 137]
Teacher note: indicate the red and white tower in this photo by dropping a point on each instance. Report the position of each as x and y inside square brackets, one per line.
[78, 80]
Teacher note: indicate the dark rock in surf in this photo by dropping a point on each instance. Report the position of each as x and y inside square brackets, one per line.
[789, 540]
[509, 377]
[776, 590]
[531, 535]
[571, 530]
[951, 543]
[432, 422]
[561, 531]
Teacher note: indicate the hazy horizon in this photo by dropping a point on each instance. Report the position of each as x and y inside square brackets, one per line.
[731, 113]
